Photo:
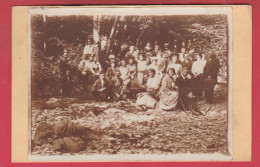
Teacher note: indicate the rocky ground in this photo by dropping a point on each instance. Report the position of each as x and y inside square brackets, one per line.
[121, 129]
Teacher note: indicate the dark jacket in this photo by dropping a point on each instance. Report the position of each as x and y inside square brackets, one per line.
[184, 85]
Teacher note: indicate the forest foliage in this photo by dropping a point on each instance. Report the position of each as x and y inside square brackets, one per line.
[209, 33]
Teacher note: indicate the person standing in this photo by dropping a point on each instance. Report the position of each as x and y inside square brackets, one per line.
[173, 64]
[142, 65]
[210, 77]
[95, 68]
[197, 72]
[187, 62]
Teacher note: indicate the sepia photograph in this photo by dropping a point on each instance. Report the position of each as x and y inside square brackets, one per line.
[130, 83]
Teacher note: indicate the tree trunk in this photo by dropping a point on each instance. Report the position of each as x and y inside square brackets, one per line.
[44, 33]
[96, 28]
[112, 34]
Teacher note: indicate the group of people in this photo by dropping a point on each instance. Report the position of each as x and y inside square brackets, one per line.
[174, 76]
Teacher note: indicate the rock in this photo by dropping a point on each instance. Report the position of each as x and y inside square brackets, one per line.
[122, 126]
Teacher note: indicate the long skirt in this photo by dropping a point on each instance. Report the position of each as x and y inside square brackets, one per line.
[168, 102]
[140, 77]
[146, 100]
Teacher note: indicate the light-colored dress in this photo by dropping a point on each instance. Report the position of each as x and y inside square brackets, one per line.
[177, 67]
[147, 98]
[168, 96]
[125, 75]
[141, 69]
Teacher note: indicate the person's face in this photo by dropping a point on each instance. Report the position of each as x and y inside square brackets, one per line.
[184, 72]
[113, 65]
[89, 42]
[150, 73]
[174, 59]
[154, 62]
[186, 57]
[183, 43]
[148, 44]
[123, 63]
[131, 61]
[91, 58]
[141, 57]
[198, 57]
[171, 73]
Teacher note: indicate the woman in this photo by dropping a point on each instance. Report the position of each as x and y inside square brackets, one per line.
[146, 99]
[125, 73]
[95, 67]
[173, 64]
[142, 65]
[197, 71]
[168, 94]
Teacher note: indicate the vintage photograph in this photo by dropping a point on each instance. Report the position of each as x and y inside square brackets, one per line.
[129, 83]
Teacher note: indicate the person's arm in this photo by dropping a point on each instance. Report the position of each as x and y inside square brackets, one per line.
[80, 66]
[95, 85]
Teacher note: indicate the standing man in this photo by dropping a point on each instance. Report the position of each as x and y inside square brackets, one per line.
[210, 77]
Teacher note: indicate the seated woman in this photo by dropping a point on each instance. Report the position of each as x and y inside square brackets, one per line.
[147, 99]
[168, 94]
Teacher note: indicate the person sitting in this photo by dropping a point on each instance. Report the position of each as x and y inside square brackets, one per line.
[173, 64]
[117, 87]
[100, 89]
[186, 97]
[95, 68]
[168, 93]
[147, 99]
[111, 71]
[197, 71]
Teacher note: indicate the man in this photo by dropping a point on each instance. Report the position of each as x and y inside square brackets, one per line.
[100, 89]
[187, 99]
[210, 77]
[187, 62]
[117, 86]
